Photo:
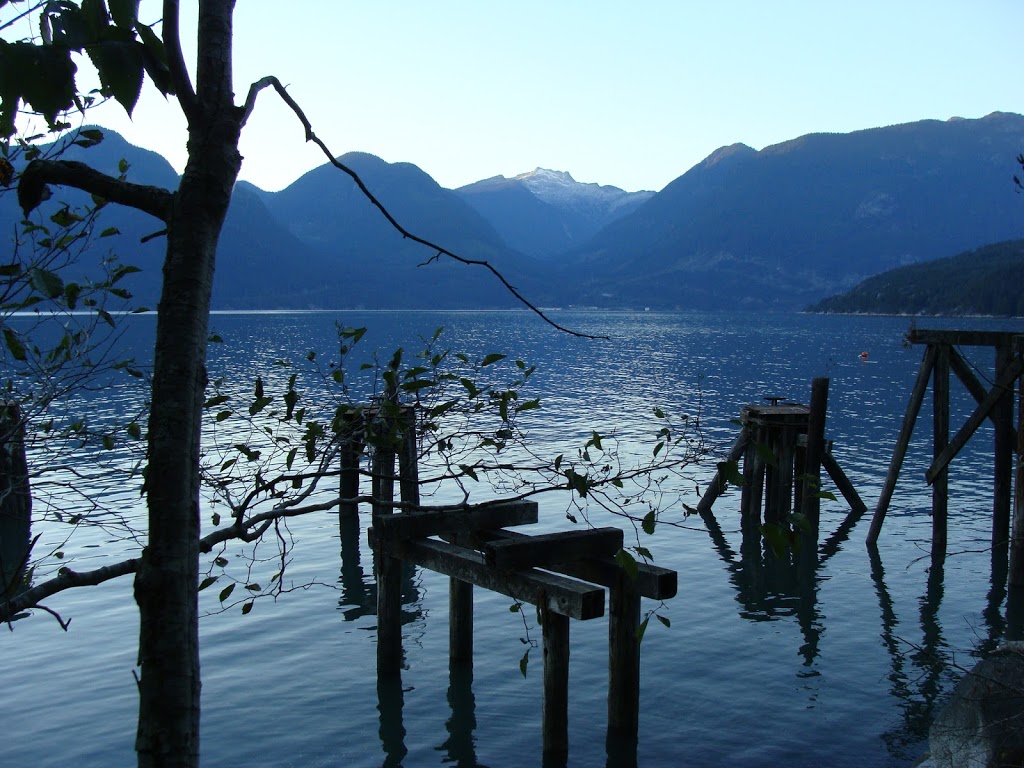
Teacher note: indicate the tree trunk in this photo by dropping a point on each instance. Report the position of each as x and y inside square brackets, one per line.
[166, 586]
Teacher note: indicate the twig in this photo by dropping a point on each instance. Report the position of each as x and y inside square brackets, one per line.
[272, 81]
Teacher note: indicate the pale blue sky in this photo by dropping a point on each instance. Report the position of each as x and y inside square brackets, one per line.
[625, 93]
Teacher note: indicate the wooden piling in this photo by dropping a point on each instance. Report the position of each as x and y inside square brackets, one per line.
[814, 455]
[940, 439]
[555, 705]
[1002, 480]
[623, 660]
[15, 501]
[389, 567]
[1016, 574]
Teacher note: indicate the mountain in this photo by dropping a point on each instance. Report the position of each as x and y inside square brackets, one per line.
[372, 264]
[780, 228]
[984, 281]
[543, 213]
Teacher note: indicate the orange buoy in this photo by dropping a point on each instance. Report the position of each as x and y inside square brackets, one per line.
[863, 355]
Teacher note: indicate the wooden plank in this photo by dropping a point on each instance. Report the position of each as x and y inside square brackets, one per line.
[1003, 385]
[550, 591]
[555, 704]
[961, 338]
[460, 622]
[433, 522]
[900, 452]
[547, 549]
[652, 581]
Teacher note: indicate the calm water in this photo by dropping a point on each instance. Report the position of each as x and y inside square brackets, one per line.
[754, 671]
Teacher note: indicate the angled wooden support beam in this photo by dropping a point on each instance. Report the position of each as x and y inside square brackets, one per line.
[843, 483]
[434, 522]
[549, 591]
[719, 484]
[549, 549]
[977, 390]
[900, 452]
[652, 581]
[1002, 387]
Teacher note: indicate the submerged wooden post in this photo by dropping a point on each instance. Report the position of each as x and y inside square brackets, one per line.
[940, 487]
[15, 501]
[623, 660]
[813, 457]
[1017, 531]
[555, 705]
[389, 568]
[349, 451]
[1002, 491]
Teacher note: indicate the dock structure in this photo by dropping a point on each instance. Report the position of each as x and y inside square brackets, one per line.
[995, 403]
[565, 575]
[783, 450]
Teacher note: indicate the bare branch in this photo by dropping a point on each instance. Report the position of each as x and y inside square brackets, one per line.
[66, 579]
[273, 82]
[176, 62]
[152, 200]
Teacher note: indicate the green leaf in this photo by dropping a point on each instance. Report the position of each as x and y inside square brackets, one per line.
[14, 344]
[134, 430]
[71, 293]
[121, 68]
[664, 620]
[524, 662]
[766, 454]
[628, 563]
[529, 405]
[215, 518]
[124, 12]
[246, 608]
[47, 283]
[595, 441]
[220, 561]
[730, 472]
[254, 587]
[226, 592]
[469, 471]
[491, 359]
[644, 552]
[109, 231]
[216, 400]
[108, 442]
[207, 582]
[642, 629]
[648, 523]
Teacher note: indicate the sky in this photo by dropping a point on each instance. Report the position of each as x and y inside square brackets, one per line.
[631, 94]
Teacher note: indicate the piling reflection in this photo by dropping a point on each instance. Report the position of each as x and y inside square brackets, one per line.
[390, 700]
[359, 589]
[15, 503]
[459, 747]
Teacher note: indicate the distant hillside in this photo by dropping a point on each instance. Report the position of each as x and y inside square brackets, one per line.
[985, 281]
[782, 227]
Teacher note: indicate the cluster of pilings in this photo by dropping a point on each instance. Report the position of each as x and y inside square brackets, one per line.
[564, 575]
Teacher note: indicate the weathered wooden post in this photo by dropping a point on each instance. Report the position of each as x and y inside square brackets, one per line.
[15, 501]
[940, 486]
[380, 430]
[623, 659]
[813, 455]
[1002, 491]
[1017, 531]
[555, 705]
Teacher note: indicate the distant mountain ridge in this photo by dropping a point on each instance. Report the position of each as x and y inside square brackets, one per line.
[780, 228]
[776, 229]
[544, 213]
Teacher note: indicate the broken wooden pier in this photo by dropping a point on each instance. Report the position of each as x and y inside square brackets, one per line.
[565, 575]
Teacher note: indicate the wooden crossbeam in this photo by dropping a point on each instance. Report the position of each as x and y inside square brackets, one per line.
[550, 591]
[652, 581]
[547, 549]
[1003, 385]
[434, 522]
